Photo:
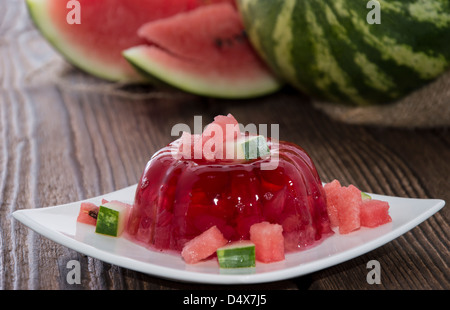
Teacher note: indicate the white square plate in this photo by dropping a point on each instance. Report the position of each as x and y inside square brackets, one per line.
[59, 224]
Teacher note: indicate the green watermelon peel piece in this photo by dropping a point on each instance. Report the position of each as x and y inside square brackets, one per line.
[254, 147]
[238, 254]
[107, 222]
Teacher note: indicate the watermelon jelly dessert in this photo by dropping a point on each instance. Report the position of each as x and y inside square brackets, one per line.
[215, 186]
[239, 196]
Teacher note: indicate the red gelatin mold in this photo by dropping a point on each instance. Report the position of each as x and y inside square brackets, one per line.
[178, 199]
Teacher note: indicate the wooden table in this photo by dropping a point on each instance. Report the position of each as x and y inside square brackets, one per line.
[63, 138]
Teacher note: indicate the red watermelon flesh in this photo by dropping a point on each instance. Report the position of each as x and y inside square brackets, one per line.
[204, 51]
[229, 128]
[207, 39]
[269, 241]
[348, 211]
[332, 190]
[374, 213]
[88, 213]
[343, 206]
[106, 28]
[222, 130]
[203, 246]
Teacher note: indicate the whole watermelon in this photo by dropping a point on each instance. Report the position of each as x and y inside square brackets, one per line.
[334, 51]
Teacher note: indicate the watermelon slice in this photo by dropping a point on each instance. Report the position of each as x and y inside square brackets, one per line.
[205, 52]
[106, 28]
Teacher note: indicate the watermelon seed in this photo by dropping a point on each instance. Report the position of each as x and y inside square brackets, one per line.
[93, 214]
[240, 37]
[229, 42]
[218, 42]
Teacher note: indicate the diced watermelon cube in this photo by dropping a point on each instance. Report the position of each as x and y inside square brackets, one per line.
[216, 135]
[211, 144]
[203, 246]
[269, 242]
[88, 213]
[237, 254]
[112, 218]
[332, 191]
[349, 209]
[374, 213]
[343, 206]
[228, 124]
[252, 147]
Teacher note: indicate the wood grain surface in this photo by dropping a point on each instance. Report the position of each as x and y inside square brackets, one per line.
[64, 137]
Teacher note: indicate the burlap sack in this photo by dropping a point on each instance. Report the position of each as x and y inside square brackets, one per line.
[427, 107]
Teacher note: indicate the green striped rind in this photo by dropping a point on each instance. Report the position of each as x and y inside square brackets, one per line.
[196, 83]
[254, 147]
[238, 254]
[329, 50]
[365, 196]
[107, 222]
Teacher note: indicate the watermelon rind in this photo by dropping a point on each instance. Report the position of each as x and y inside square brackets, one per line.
[38, 10]
[365, 196]
[237, 254]
[107, 222]
[329, 50]
[111, 219]
[254, 147]
[197, 84]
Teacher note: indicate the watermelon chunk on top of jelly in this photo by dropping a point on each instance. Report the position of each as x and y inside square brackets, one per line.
[212, 143]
